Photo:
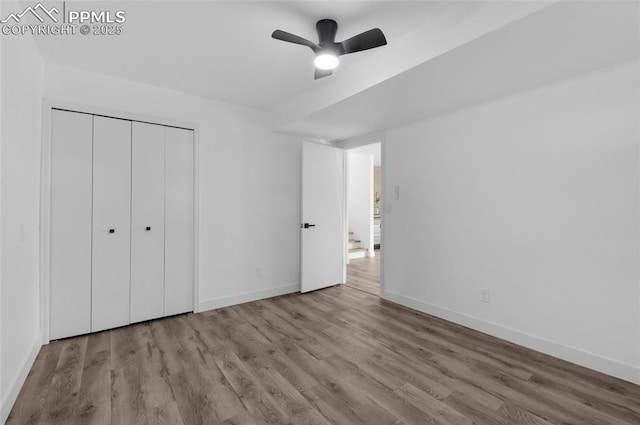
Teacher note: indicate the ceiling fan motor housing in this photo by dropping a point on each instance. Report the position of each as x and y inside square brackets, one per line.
[327, 30]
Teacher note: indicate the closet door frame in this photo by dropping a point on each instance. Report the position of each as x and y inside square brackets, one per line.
[48, 106]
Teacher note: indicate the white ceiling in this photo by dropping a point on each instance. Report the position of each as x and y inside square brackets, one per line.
[564, 39]
[223, 49]
[441, 55]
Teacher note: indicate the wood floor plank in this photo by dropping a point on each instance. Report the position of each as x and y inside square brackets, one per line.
[250, 390]
[124, 348]
[517, 415]
[341, 405]
[59, 415]
[291, 401]
[338, 356]
[309, 311]
[475, 410]
[167, 414]
[65, 385]
[169, 356]
[293, 373]
[394, 363]
[351, 402]
[94, 403]
[127, 403]
[191, 399]
[541, 403]
[381, 394]
[31, 401]
[225, 400]
[156, 392]
[432, 406]
[213, 384]
[243, 418]
[603, 402]
[150, 357]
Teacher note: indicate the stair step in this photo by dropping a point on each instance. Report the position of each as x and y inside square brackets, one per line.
[357, 253]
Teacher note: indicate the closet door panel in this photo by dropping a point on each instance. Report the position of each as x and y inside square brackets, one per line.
[147, 221]
[70, 300]
[179, 221]
[111, 223]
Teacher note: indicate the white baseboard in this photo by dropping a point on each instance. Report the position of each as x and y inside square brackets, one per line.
[10, 397]
[246, 297]
[606, 365]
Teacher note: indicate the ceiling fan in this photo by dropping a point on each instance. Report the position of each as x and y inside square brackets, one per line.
[327, 50]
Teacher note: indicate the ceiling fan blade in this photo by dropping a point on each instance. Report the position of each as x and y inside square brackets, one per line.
[292, 38]
[366, 40]
[321, 73]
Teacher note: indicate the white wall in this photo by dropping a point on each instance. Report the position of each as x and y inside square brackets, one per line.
[534, 196]
[2, 406]
[21, 82]
[360, 199]
[249, 183]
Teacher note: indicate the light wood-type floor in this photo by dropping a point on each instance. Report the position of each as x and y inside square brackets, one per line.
[335, 356]
[364, 274]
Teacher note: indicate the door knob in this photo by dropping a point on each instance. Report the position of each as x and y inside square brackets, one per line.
[148, 228]
[112, 230]
[307, 225]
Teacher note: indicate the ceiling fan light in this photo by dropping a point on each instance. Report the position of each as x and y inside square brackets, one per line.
[326, 61]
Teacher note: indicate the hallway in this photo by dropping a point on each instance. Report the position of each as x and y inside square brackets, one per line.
[363, 274]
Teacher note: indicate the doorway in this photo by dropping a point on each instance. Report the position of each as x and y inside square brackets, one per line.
[364, 217]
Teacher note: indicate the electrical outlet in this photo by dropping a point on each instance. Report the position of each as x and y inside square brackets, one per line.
[258, 271]
[396, 192]
[21, 233]
[484, 295]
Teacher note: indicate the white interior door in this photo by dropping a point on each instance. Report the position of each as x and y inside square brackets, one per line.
[111, 223]
[71, 140]
[322, 216]
[179, 189]
[147, 221]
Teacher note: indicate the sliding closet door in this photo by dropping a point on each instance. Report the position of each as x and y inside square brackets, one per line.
[71, 139]
[179, 221]
[147, 222]
[111, 222]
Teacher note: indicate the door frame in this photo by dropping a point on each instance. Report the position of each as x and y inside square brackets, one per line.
[48, 105]
[357, 142]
